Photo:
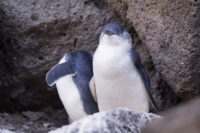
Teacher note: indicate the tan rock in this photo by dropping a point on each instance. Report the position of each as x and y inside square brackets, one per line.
[183, 119]
[170, 30]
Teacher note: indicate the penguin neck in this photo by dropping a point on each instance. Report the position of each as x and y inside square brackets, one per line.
[110, 60]
[114, 44]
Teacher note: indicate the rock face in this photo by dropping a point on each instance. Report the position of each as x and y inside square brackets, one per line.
[163, 94]
[114, 121]
[184, 119]
[170, 30]
[34, 36]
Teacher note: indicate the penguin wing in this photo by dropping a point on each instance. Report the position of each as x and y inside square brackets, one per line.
[93, 89]
[137, 62]
[58, 71]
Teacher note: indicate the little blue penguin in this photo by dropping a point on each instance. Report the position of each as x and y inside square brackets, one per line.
[119, 77]
[72, 76]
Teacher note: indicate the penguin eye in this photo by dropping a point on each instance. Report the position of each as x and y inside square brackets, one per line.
[108, 32]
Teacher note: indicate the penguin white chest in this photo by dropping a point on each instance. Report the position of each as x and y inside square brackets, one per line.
[70, 97]
[118, 84]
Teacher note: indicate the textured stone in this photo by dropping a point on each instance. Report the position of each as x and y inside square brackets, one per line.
[114, 121]
[170, 30]
[20, 123]
[161, 91]
[34, 36]
[183, 119]
[6, 131]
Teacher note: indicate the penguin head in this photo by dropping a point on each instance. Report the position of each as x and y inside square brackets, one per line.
[74, 63]
[115, 34]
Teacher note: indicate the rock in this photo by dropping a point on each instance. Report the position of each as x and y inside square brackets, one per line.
[6, 131]
[20, 123]
[33, 116]
[161, 91]
[114, 121]
[170, 31]
[183, 119]
[34, 36]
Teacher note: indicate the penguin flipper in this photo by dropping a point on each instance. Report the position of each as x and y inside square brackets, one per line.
[93, 89]
[58, 71]
[146, 82]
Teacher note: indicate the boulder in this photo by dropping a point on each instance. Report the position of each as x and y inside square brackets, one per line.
[118, 120]
[170, 31]
[182, 119]
[34, 36]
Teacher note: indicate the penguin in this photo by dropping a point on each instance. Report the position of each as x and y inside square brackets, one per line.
[72, 76]
[119, 78]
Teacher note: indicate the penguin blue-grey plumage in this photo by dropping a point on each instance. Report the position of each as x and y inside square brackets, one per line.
[119, 77]
[71, 76]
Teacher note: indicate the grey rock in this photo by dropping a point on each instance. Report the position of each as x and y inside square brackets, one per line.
[34, 36]
[163, 94]
[114, 121]
[33, 116]
[6, 131]
[21, 123]
[170, 31]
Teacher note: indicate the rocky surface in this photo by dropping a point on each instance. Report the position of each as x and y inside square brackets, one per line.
[170, 30]
[114, 121]
[6, 131]
[34, 36]
[183, 119]
[163, 94]
[32, 122]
